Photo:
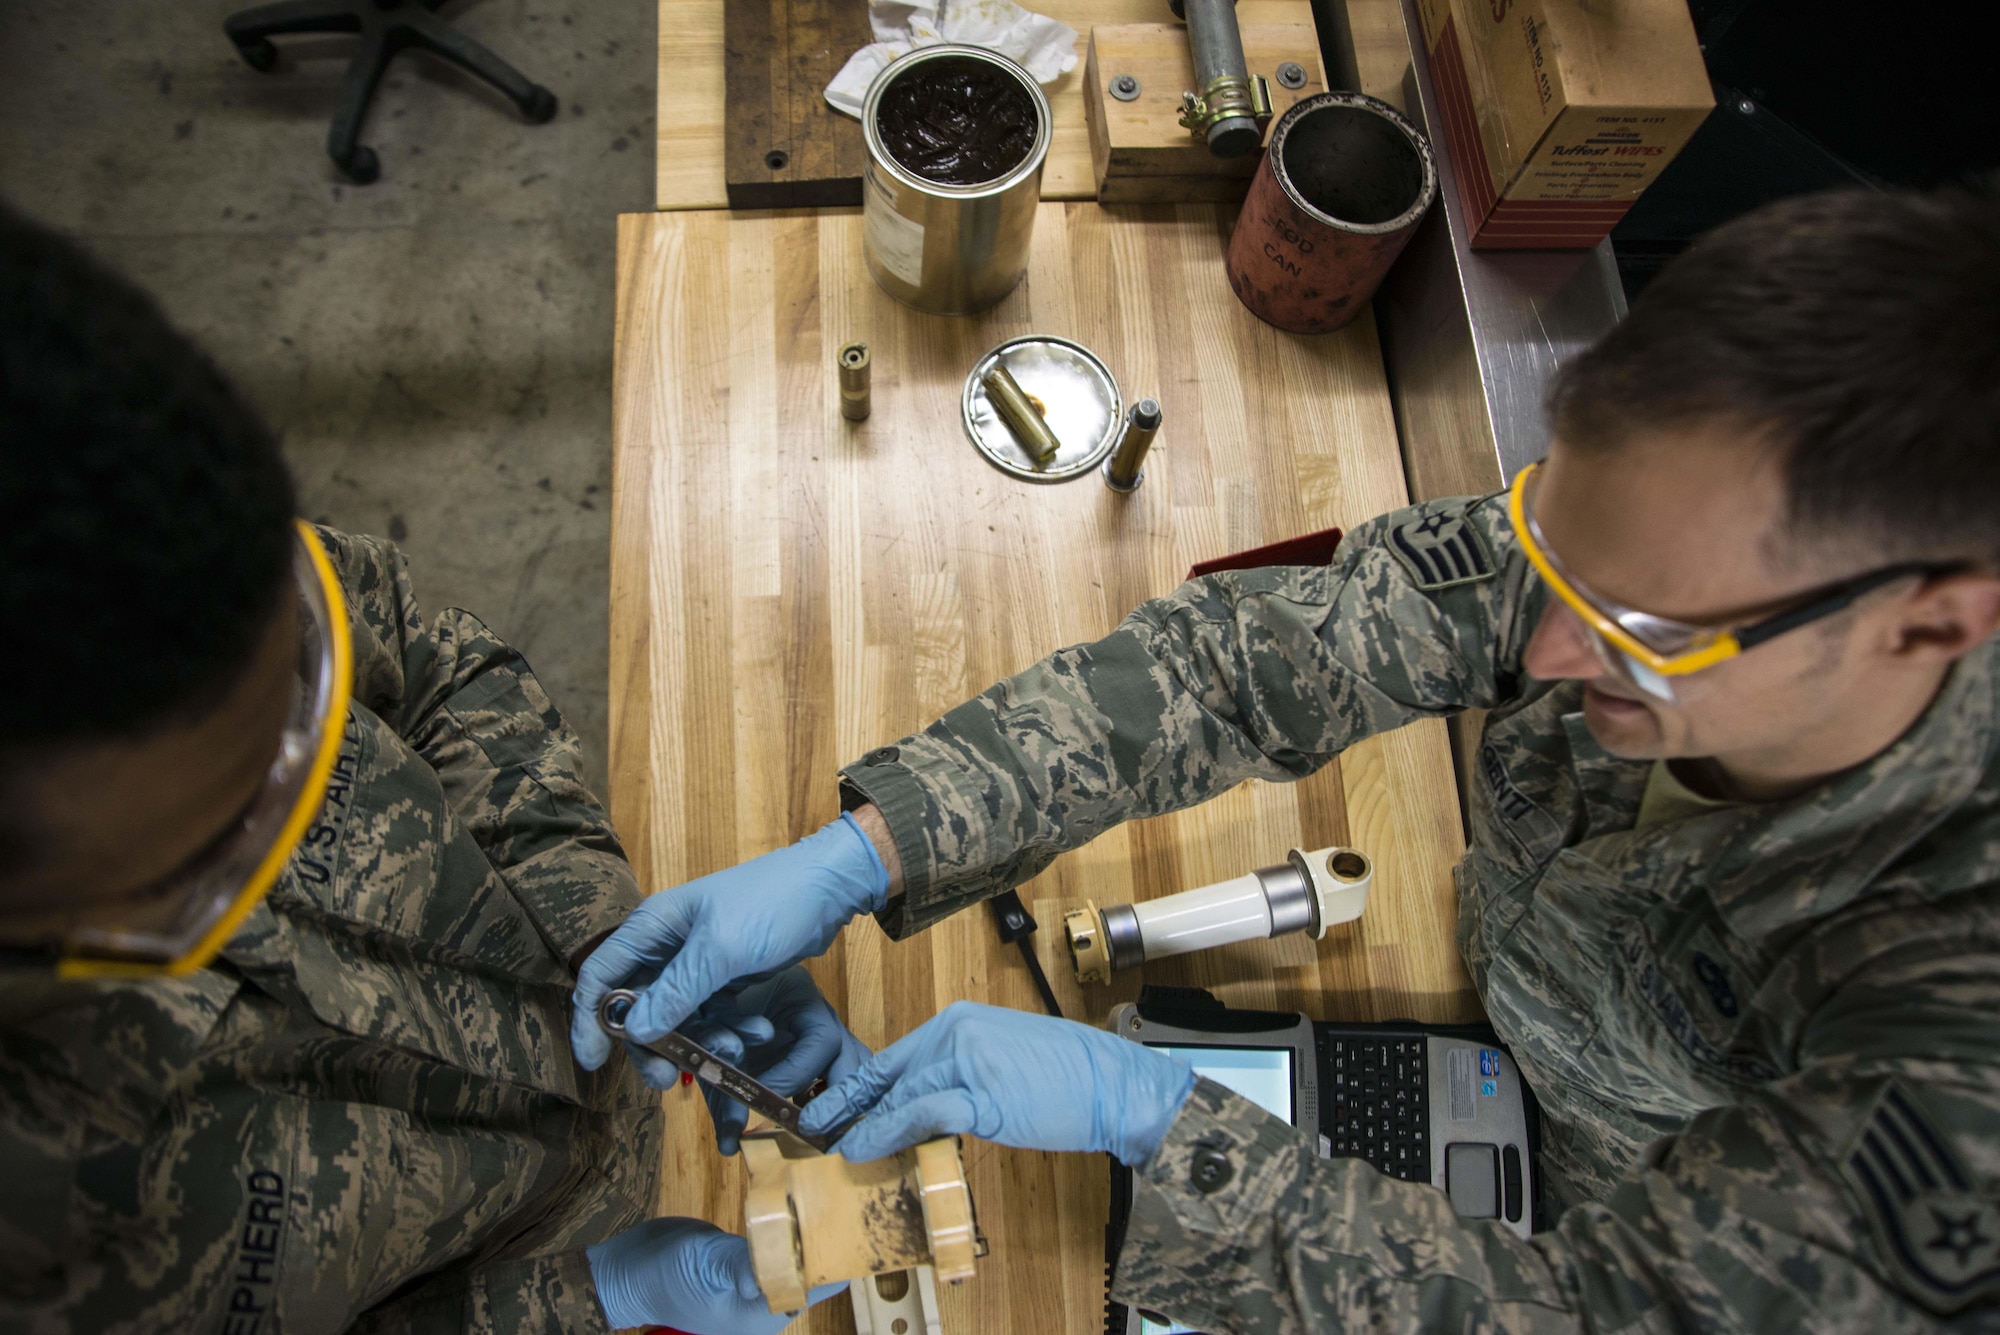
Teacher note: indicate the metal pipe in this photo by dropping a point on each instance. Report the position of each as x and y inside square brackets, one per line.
[853, 364]
[1124, 470]
[1217, 46]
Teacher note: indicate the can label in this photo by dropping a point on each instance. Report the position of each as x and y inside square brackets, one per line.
[896, 242]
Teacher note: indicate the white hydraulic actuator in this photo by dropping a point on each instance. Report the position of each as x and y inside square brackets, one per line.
[1308, 892]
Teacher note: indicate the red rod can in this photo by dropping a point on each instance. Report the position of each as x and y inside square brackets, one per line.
[1343, 184]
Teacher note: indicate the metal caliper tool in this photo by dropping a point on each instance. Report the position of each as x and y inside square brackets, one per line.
[710, 1069]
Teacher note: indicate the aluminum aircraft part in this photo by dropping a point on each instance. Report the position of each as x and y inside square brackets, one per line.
[1023, 415]
[900, 1302]
[944, 248]
[710, 1069]
[852, 362]
[1224, 106]
[1340, 879]
[1308, 892]
[1124, 470]
[814, 1218]
[1102, 941]
[1124, 947]
[1341, 189]
[1079, 401]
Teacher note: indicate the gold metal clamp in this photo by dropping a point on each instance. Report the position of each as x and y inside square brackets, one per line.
[1226, 97]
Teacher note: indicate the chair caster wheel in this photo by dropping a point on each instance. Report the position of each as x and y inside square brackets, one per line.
[362, 166]
[259, 55]
[542, 106]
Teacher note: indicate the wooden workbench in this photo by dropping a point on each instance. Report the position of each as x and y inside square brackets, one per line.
[789, 591]
[689, 162]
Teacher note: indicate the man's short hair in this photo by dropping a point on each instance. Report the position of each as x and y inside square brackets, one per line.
[145, 513]
[1858, 332]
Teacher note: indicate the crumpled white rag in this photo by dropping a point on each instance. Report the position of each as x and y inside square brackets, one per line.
[1035, 42]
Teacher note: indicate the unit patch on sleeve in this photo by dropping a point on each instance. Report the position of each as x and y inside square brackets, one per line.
[1936, 1231]
[1440, 550]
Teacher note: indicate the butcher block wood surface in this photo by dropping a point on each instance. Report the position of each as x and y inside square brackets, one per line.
[790, 590]
[694, 115]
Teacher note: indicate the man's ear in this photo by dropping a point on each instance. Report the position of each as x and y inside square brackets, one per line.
[1947, 617]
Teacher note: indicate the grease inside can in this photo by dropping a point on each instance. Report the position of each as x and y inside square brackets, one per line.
[957, 121]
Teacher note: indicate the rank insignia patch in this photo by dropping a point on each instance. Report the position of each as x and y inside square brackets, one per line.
[1939, 1234]
[1440, 550]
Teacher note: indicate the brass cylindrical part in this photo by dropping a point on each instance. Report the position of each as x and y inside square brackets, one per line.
[853, 364]
[1124, 470]
[1020, 414]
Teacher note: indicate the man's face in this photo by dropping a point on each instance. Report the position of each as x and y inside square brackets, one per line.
[110, 821]
[1688, 525]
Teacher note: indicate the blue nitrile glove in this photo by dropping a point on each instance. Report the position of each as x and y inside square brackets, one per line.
[686, 1274]
[792, 1038]
[1030, 1081]
[684, 945]
[757, 1027]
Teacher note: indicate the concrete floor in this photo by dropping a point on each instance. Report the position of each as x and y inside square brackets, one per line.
[435, 347]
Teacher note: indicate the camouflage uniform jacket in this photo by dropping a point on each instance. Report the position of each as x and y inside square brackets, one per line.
[1766, 1039]
[365, 1115]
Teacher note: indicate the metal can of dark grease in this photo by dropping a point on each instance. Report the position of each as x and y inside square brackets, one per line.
[956, 138]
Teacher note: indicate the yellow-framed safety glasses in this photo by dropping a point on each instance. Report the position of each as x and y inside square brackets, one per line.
[188, 917]
[1646, 650]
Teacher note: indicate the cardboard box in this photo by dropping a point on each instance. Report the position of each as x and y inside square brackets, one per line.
[1557, 113]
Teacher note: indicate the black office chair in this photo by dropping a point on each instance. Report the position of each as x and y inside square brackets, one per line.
[385, 27]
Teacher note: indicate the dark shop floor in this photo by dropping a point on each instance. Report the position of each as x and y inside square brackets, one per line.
[435, 347]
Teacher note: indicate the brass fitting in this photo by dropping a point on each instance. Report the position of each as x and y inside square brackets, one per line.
[853, 363]
[1123, 471]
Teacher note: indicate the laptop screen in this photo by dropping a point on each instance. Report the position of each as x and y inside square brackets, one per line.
[1261, 1075]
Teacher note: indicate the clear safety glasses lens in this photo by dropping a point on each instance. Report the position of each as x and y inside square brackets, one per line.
[184, 920]
[1660, 639]
[1630, 670]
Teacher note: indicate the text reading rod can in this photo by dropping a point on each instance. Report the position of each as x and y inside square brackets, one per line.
[1344, 183]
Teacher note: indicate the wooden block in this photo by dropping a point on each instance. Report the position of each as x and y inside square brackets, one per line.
[814, 1219]
[784, 146]
[1140, 151]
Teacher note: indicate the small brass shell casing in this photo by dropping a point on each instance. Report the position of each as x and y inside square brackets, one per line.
[1018, 411]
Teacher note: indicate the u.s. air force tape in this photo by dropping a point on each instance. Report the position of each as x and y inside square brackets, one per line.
[1440, 549]
[1936, 1230]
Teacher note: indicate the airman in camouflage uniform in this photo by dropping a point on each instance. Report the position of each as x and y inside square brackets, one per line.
[365, 1115]
[1763, 1037]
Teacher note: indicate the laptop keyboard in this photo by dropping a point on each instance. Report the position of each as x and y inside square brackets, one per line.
[1375, 1101]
